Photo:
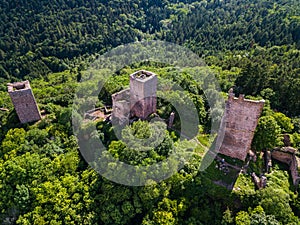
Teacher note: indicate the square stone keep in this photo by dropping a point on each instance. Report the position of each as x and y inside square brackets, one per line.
[24, 101]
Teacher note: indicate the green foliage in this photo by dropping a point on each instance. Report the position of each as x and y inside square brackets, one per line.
[266, 134]
[166, 213]
[242, 218]
[255, 217]
[284, 122]
[13, 141]
[227, 217]
[296, 140]
[142, 143]
[245, 189]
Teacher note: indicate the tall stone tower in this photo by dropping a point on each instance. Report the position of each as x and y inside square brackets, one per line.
[238, 124]
[24, 101]
[143, 86]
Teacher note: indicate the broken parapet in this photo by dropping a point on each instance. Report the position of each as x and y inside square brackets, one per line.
[288, 156]
[238, 124]
[171, 119]
[24, 101]
[143, 87]
[260, 183]
[268, 161]
[252, 156]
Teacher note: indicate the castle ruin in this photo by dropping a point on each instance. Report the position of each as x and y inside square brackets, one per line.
[24, 101]
[238, 124]
[137, 101]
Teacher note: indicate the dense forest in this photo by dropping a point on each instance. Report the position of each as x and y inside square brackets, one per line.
[250, 45]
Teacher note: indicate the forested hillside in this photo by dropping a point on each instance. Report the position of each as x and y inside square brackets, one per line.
[40, 37]
[250, 45]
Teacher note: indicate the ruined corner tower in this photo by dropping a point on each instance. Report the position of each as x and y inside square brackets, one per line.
[24, 101]
[238, 124]
[143, 85]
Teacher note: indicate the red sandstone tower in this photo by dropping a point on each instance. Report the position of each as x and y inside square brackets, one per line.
[143, 85]
[24, 101]
[137, 101]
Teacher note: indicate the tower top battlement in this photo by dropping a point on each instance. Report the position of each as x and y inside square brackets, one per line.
[18, 86]
[142, 75]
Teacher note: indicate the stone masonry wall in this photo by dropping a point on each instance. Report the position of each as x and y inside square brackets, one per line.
[121, 106]
[24, 101]
[239, 123]
[288, 156]
[137, 101]
[143, 86]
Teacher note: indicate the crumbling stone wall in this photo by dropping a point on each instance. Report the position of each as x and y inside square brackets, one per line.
[24, 101]
[238, 124]
[294, 168]
[260, 182]
[288, 156]
[121, 106]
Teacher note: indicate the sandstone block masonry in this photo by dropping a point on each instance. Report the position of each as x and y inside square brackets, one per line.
[121, 106]
[143, 86]
[238, 124]
[24, 101]
[137, 101]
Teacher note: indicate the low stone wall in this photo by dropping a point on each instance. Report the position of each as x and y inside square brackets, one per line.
[288, 156]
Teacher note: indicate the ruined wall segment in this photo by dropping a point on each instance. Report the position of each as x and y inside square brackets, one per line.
[121, 106]
[24, 101]
[288, 156]
[143, 86]
[239, 122]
